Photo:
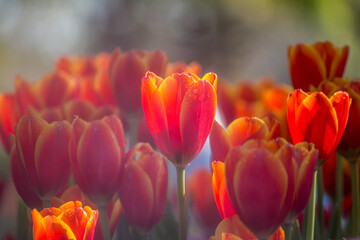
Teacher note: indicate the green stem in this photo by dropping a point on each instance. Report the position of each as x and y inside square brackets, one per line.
[46, 203]
[311, 212]
[320, 207]
[23, 224]
[335, 231]
[296, 231]
[288, 228]
[180, 172]
[104, 223]
[355, 228]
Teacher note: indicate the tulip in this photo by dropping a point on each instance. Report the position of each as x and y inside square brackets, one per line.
[9, 115]
[233, 228]
[238, 132]
[264, 199]
[143, 187]
[180, 111]
[114, 209]
[96, 151]
[316, 118]
[202, 200]
[126, 72]
[69, 221]
[309, 65]
[221, 194]
[42, 149]
[305, 156]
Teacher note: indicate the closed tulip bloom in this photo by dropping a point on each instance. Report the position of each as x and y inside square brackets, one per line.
[221, 194]
[126, 71]
[238, 132]
[97, 150]
[70, 222]
[143, 187]
[260, 177]
[180, 111]
[42, 149]
[305, 156]
[309, 65]
[318, 119]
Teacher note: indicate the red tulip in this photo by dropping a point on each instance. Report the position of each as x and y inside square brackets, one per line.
[126, 72]
[221, 194]
[316, 118]
[309, 65]
[42, 150]
[180, 111]
[143, 187]
[9, 115]
[68, 222]
[260, 178]
[96, 151]
[238, 132]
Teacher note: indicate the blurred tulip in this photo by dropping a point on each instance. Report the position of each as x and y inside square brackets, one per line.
[127, 70]
[306, 157]
[262, 200]
[221, 194]
[264, 98]
[238, 132]
[43, 154]
[233, 229]
[96, 151]
[309, 65]
[179, 67]
[9, 115]
[143, 187]
[317, 119]
[69, 221]
[114, 208]
[180, 111]
[202, 200]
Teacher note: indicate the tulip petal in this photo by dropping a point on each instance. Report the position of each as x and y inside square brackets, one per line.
[196, 118]
[57, 229]
[219, 142]
[39, 232]
[294, 101]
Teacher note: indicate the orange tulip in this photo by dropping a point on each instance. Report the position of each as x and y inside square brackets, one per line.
[202, 200]
[96, 151]
[238, 132]
[42, 150]
[309, 65]
[349, 145]
[114, 209]
[221, 194]
[234, 229]
[69, 222]
[316, 118]
[143, 187]
[262, 200]
[180, 111]
[126, 72]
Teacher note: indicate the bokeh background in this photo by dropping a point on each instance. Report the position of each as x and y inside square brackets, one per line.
[237, 39]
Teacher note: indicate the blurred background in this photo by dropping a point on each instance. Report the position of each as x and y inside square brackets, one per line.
[235, 39]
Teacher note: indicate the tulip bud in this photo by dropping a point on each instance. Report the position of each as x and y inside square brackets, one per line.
[143, 187]
[96, 151]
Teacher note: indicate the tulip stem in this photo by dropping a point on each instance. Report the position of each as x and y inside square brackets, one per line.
[320, 205]
[288, 228]
[104, 223]
[355, 228]
[310, 223]
[180, 172]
